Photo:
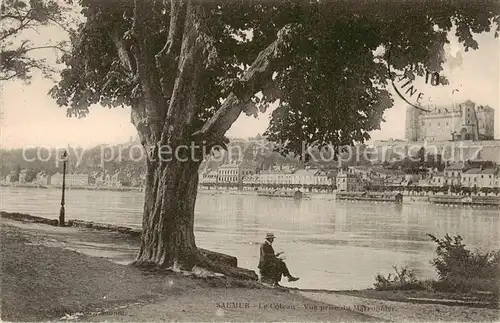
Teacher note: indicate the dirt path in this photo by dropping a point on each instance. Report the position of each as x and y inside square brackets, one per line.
[407, 312]
[43, 281]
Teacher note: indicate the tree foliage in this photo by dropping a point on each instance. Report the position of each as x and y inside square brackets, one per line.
[19, 18]
[189, 69]
[329, 78]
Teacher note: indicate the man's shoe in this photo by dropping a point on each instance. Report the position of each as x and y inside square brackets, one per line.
[292, 279]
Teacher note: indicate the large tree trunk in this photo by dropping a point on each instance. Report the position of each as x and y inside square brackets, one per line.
[168, 107]
[167, 239]
[172, 90]
[168, 221]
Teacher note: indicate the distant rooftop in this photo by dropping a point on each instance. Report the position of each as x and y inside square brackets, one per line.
[308, 172]
[473, 171]
[455, 166]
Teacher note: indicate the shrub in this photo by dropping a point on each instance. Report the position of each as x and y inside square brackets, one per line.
[460, 269]
[401, 279]
[463, 285]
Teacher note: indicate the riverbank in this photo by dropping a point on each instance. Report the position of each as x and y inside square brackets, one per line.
[201, 190]
[312, 195]
[43, 280]
[83, 265]
[75, 187]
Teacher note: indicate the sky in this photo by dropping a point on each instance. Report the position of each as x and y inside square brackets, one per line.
[29, 117]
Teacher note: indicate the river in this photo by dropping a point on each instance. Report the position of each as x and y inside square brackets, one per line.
[328, 244]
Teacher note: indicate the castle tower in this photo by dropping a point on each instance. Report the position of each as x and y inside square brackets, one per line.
[469, 121]
[486, 126]
[412, 126]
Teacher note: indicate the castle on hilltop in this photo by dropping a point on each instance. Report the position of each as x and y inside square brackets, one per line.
[465, 121]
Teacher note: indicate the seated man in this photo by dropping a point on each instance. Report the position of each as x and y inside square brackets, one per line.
[271, 267]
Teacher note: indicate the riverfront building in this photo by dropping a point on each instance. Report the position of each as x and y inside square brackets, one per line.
[234, 172]
[349, 182]
[478, 177]
[42, 178]
[301, 177]
[71, 179]
[453, 174]
[208, 177]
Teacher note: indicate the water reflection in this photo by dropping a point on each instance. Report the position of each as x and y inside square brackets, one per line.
[329, 244]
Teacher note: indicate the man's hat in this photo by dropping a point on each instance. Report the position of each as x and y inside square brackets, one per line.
[269, 236]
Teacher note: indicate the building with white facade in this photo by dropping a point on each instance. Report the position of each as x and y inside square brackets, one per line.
[209, 177]
[304, 177]
[453, 174]
[478, 177]
[71, 179]
[438, 179]
[233, 173]
[22, 176]
[42, 178]
[349, 182]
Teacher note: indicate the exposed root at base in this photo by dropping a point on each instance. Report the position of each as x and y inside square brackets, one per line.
[216, 267]
[214, 273]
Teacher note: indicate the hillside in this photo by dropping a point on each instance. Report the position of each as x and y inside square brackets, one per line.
[130, 158]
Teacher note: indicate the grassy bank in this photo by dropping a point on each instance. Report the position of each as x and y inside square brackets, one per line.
[51, 283]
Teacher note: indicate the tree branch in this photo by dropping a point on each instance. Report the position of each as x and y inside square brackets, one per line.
[176, 28]
[67, 30]
[9, 77]
[167, 58]
[187, 88]
[45, 47]
[22, 24]
[147, 72]
[253, 80]
[122, 49]
[25, 67]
